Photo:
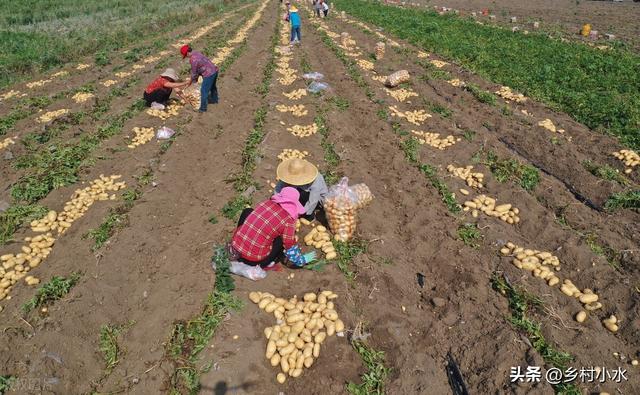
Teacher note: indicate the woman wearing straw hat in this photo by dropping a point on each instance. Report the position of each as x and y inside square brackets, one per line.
[305, 177]
[266, 234]
[160, 89]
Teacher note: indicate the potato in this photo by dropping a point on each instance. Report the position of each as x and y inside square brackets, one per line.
[287, 350]
[339, 325]
[316, 350]
[330, 314]
[581, 316]
[588, 298]
[296, 373]
[292, 337]
[331, 255]
[284, 365]
[275, 360]
[264, 302]
[281, 378]
[319, 338]
[295, 318]
[271, 349]
[308, 350]
[331, 328]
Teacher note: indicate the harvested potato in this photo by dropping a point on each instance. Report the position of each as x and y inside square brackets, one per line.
[303, 130]
[473, 179]
[506, 93]
[293, 343]
[415, 117]
[630, 158]
[487, 205]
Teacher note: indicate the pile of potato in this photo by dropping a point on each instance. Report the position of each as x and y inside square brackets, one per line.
[401, 94]
[150, 59]
[82, 97]
[365, 64]
[169, 111]
[457, 83]
[347, 41]
[221, 55]
[415, 117]
[80, 202]
[506, 93]
[108, 83]
[288, 76]
[82, 66]
[303, 131]
[299, 110]
[473, 179]
[289, 153]
[11, 94]
[438, 63]
[379, 50]
[303, 326]
[548, 124]
[60, 73]
[143, 136]
[295, 94]
[397, 78]
[6, 142]
[422, 55]
[124, 74]
[191, 97]
[434, 140]
[540, 263]
[138, 67]
[51, 115]
[630, 158]
[482, 203]
[320, 239]
[35, 84]
[16, 266]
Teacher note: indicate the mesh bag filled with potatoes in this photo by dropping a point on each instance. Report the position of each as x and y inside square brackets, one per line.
[340, 206]
[380, 47]
[397, 78]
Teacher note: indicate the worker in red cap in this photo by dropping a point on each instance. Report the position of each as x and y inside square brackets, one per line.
[201, 66]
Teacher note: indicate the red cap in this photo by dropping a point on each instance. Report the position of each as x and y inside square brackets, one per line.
[184, 50]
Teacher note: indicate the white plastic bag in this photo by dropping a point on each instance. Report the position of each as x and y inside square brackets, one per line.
[313, 76]
[164, 133]
[251, 272]
[340, 206]
[316, 87]
[157, 106]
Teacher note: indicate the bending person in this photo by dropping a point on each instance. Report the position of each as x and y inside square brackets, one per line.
[266, 234]
[160, 89]
[201, 66]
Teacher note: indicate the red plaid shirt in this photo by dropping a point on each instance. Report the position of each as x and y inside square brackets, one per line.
[254, 239]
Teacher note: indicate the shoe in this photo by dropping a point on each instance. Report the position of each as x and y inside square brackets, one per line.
[273, 267]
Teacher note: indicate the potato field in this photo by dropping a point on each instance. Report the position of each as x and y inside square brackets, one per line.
[491, 244]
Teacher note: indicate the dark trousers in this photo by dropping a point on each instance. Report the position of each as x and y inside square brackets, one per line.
[277, 249]
[159, 96]
[295, 33]
[208, 91]
[325, 12]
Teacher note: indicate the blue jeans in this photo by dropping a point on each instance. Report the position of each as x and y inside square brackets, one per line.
[208, 91]
[295, 32]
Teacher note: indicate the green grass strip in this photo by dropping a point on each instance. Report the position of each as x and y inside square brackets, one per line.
[189, 338]
[54, 290]
[598, 88]
[520, 303]
[15, 216]
[373, 380]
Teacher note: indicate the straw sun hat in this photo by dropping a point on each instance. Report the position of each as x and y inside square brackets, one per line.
[296, 172]
[170, 73]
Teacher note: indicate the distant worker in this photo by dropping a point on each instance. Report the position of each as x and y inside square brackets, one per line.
[160, 89]
[317, 7]
[294, 18]
[201, 66]
[325, 8]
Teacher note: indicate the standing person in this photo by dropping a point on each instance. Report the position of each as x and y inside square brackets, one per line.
[159, 90]
[325, 7]
[201, 66]
[266, 234]
[294, 18]
[317, 7]
[306, 179]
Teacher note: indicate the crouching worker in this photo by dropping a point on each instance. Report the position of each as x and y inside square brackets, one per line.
[266, 235]
[160, 89]
[307, 180]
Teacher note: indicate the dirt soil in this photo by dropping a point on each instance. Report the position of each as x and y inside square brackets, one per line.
[156, 270]
[564, 17]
